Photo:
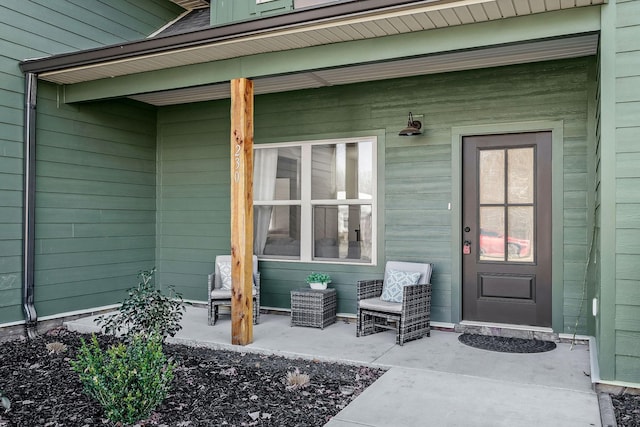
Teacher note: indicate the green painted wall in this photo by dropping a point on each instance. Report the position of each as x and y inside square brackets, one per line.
[618, 178]
[36, 28]
[627, 182]
[193, 194]
[228, 11]
[193, 167]
[95, 201]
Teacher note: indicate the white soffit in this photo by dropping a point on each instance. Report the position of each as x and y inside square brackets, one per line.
[473, 59]
[404, 19]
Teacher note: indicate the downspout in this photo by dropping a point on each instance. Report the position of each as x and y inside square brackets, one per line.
[29, 210]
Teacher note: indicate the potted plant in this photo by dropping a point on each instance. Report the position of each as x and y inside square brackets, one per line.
[318, 280]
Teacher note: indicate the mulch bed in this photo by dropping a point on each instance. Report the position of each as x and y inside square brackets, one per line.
[627, 409]
[211, 387]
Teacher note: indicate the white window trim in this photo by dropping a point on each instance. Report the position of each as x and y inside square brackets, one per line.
[306, 204]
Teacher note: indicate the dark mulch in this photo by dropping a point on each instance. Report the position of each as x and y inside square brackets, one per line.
[210, 388]
[627, 409]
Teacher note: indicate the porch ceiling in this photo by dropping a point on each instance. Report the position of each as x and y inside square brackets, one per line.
[569, 47]
[217, 44]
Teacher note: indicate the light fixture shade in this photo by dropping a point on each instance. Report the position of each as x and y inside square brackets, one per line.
[413, 127]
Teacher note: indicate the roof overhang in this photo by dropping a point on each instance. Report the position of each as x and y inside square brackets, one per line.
[542, 50]
[333, 25]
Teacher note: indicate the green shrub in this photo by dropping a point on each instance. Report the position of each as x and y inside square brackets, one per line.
[129, 381]
[146, 311]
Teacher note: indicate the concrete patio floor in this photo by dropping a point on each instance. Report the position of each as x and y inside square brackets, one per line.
[434, 381]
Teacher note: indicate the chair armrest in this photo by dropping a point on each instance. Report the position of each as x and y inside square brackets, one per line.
[369, 289]
[210, 279]
[415, 296]
[256, 281]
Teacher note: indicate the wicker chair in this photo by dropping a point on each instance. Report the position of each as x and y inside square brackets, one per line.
[219, 296]
[411, 318]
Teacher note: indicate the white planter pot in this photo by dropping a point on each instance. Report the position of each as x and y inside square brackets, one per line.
[318, 285]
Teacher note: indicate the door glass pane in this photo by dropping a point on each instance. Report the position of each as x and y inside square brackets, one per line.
[520, 175]
[520, 243]
[342, 171]
[342, 232]
[492, 234]
[492, 175]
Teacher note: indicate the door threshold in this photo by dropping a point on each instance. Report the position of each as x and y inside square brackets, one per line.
[507, 330]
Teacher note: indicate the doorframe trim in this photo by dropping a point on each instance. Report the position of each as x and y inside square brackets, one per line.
[556, 127]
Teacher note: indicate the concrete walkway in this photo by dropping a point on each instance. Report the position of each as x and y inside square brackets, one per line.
[433, 381]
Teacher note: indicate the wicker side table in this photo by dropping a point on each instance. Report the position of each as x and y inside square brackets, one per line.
[311, 307]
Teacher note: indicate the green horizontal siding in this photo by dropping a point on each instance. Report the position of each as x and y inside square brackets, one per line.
[627, 182]
[193, 194]
[88, 137]
[95, 201]
[415, 173]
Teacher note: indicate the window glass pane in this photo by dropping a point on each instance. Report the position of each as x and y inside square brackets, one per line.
[342, 232]
[521, 231]
[277, 231]
[276, 173]
[491, 170]
[492, 233]
[520, 175]
[342, 171]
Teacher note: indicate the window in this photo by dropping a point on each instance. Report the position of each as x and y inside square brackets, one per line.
[316, 201]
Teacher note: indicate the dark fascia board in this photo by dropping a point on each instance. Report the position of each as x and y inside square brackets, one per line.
[210, 35]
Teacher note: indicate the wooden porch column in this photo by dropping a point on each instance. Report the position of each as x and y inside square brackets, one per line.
[241, 211]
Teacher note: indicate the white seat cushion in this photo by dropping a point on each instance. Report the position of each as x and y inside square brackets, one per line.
[380, 305]
[226, 294]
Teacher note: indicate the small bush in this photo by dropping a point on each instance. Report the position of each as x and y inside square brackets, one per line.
[129, 381]
[146, 311]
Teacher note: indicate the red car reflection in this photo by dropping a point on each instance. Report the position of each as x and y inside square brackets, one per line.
[492, 244]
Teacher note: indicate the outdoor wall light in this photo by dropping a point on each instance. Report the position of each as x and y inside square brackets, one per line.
[413, 127]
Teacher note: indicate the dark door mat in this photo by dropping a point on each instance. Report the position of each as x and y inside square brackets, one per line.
[506, 344]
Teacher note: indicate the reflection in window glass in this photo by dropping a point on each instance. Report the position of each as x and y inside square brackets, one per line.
[506, 226]
[520, 241]
[276, 174]
[492, 233]
[343, 232]
[316, 200]
[277, 231]
[520, 175]
[491, 169]
[342, 171]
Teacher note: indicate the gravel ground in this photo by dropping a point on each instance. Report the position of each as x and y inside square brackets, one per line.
[627, 409]
[210, 388]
